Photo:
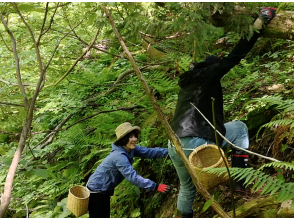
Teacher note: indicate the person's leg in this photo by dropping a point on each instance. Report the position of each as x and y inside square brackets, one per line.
[99, 205]
[237, 133]
[187, 189]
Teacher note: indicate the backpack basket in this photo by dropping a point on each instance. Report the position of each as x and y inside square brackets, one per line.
[208, 156]
[78, 200]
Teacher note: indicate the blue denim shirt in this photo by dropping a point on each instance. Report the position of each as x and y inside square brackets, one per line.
[118, 165]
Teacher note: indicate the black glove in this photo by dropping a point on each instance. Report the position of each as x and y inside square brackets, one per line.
[267, 14]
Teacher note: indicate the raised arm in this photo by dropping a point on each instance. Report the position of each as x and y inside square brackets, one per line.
[242, 48]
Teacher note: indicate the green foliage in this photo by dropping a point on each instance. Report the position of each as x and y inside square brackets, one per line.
[183, 30]
[281, 165]
[261, 180]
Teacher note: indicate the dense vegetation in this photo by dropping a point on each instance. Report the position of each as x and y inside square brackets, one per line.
[63, 68]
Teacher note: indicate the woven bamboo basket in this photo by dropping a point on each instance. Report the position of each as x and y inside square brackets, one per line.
[78, 200]
[208, 156]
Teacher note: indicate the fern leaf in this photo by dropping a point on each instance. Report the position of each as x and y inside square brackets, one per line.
[282, 165]
[248, 178]
[269, 187]
[282, 194]
[261, 184]
[277, 187]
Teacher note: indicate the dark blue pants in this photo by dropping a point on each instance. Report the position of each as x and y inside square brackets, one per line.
[99, 205]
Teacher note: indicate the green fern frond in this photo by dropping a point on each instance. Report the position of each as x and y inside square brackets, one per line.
[279, 122]
[282, 165]
[271, 185]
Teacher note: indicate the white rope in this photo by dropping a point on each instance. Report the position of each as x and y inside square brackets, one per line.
[239, 148]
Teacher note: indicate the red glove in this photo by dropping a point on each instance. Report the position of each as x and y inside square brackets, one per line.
[163, 188]
[267, 13]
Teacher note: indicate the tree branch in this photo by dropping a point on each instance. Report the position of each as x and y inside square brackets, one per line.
[176, 35]
[49, 138]
[51, 21]
[215, 205]
[13, 104]
[55, 49]
[5, 43]
[33, 38]
[98, 113]
[5, 132]
[77, 60]
[44, 21]
[121, 77]
[5, 23]
[14, 84]
[58, 6]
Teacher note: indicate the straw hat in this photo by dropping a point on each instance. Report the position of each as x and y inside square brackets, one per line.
[124, 129]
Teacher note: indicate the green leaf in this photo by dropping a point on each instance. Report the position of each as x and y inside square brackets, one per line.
[41, 173]
[275, 190]
[51, 174]
[281, 195]
[207, 205]
[136, 213]
[268, 187]
[7, 161]
[2, 178]
[92, 17]
[137, 191]
[26, 7]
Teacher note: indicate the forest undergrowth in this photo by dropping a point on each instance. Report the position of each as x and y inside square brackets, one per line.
[85, 97]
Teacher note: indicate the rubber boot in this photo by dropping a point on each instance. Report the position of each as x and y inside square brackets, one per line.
[184, 215]
[240, 159]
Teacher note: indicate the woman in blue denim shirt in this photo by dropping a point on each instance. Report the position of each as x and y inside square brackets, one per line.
[117, 166]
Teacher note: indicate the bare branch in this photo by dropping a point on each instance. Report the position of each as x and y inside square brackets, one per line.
[13, 104]
[98, 113]
[51, 20]
[58, 6]
[5, 23]
[5, 132]
[77, 60]
[14, 84]
[33, 38]
[5, 43]
[55, 49]
[169, 37]
[49, 138]
[44, 21]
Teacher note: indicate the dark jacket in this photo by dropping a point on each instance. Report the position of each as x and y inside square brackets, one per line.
[118, 165]
[198, 86]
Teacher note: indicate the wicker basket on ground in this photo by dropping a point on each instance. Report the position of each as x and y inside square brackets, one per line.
[208, 156]
[78, 200]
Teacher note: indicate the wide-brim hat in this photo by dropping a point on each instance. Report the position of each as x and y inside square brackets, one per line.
[125, 128]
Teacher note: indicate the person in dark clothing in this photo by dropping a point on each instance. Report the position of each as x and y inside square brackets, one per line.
[198, 86]
[117, 166]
